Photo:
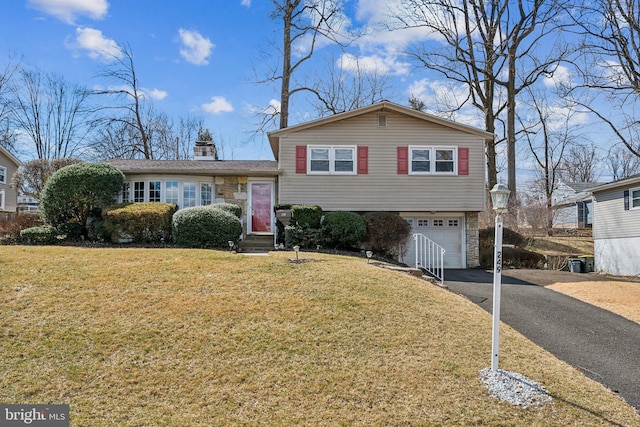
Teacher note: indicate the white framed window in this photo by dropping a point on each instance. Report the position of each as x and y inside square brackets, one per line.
[126, 192]
[154, 191]
[423, 222]
[634, 198]
[188, 194]
[138, 191]
[332, 160]
[3, 175]
[171, 193]
[1, 200]
[453, 223]
[425, 160]
[438, 222]
[206, 193]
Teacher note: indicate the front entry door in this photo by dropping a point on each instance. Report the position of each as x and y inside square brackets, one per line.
[261, 208]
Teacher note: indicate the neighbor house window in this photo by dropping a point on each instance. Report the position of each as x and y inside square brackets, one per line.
[206, 193]
[3, 175]
[154, 191]
[432, 160]
[171, 193]
[635, 198]
[2, 200]
[138, 191]
[126, 188]
[188, 194]
[332, 160]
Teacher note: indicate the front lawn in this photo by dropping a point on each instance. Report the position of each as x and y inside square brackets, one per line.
[176, 337]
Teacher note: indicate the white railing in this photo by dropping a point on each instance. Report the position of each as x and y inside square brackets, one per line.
[429, 256]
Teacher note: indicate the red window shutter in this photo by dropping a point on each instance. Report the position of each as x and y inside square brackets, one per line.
[403, 160]
[463, 161]
[363, 160]
[301, 159]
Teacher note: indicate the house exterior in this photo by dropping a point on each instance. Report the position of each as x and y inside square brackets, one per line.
[385, 157]
[8, 196]
[616, 227]
[249, 184]
[572, 204]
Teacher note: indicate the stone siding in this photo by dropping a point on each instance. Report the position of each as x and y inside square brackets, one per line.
[473, 241]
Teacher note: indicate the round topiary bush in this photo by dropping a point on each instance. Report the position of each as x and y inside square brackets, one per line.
[205, 227]
[229, 207]
[343, 230]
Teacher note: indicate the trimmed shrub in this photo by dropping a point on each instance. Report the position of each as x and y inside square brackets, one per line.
[306, 216]
[142, 222]
[42, 235]
[511, 257]
[204, 227]
[308, 238]
[71, 194]
[229, 207]
[343, 230]
[386, 231]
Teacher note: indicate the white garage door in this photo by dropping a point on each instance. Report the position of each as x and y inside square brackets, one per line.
[445, 231]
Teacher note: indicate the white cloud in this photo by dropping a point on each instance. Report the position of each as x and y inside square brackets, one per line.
[561, 76]
[373, 64]
[246, 3]
[68, 10]
[196, 49]
[154, 93]
[97, 46]
[218, 105]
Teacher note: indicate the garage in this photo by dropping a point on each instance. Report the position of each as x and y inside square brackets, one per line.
[445, 230]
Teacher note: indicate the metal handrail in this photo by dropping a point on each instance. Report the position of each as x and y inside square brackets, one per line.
[429, 256]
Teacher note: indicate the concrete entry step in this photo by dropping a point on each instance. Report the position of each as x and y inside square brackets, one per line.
[256, 243]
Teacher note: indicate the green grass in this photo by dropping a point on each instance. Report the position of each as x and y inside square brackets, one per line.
[169, 337]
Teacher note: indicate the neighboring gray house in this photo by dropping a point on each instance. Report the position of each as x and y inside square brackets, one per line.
[8, 196]
[572, 204]
[616, 227]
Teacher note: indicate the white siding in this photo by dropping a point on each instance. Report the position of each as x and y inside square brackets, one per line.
[619, 257]
[10, 194]
[610, 218]
[382, 188]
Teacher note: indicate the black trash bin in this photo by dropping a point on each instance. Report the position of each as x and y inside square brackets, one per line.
[575, 265]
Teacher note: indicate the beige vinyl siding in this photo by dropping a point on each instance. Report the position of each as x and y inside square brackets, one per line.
[610, 219]
[10, 194]
[382, 188]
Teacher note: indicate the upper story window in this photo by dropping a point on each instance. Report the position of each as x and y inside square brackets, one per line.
[331, 160]
[634, 195]
[3, 175]
[433, 160]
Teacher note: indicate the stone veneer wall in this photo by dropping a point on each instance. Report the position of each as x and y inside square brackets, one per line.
[473, 240]
[232, 189]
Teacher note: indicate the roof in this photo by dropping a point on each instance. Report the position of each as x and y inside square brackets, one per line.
[581, 193]
[579, 187]
[632, 180]
[274, 137]
[198, 167]
[11, 157]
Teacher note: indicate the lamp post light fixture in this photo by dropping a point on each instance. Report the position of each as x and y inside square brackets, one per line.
[297, 249]
[369, 255]
[499, 200]
[230, 242]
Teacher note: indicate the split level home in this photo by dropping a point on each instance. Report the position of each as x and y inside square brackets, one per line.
[383, 157]
[8, 196]
[572, 205]
[616, 227]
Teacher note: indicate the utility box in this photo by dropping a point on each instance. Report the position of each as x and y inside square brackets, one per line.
[588, 263]
[575, 265]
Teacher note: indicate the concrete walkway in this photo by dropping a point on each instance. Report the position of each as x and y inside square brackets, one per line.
[603, 345]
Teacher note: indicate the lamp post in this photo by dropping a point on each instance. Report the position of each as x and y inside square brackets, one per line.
[297, 249]
[499, 200]
[369, 255]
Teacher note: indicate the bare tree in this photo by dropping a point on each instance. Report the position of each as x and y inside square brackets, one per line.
[122, 73]
[186, 136]
[7, 135]
[548, 139]
[31, 176]
[54, 114]
[346, 88]
[609, 66]
[304, 23]
[622, 163]
[477, 44]
[580, 164]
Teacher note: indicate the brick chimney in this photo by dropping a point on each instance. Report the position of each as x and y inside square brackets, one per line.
[204, 150]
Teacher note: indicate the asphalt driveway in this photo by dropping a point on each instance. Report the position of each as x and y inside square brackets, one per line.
[603, 345]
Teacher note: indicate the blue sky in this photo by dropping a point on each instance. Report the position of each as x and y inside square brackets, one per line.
[197, 57]
[203, 57]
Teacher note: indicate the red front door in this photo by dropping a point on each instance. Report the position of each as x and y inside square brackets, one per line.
[261, 207]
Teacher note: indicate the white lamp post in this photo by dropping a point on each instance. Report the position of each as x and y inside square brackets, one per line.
[499, 200]
[369, 255]
[297, 249]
